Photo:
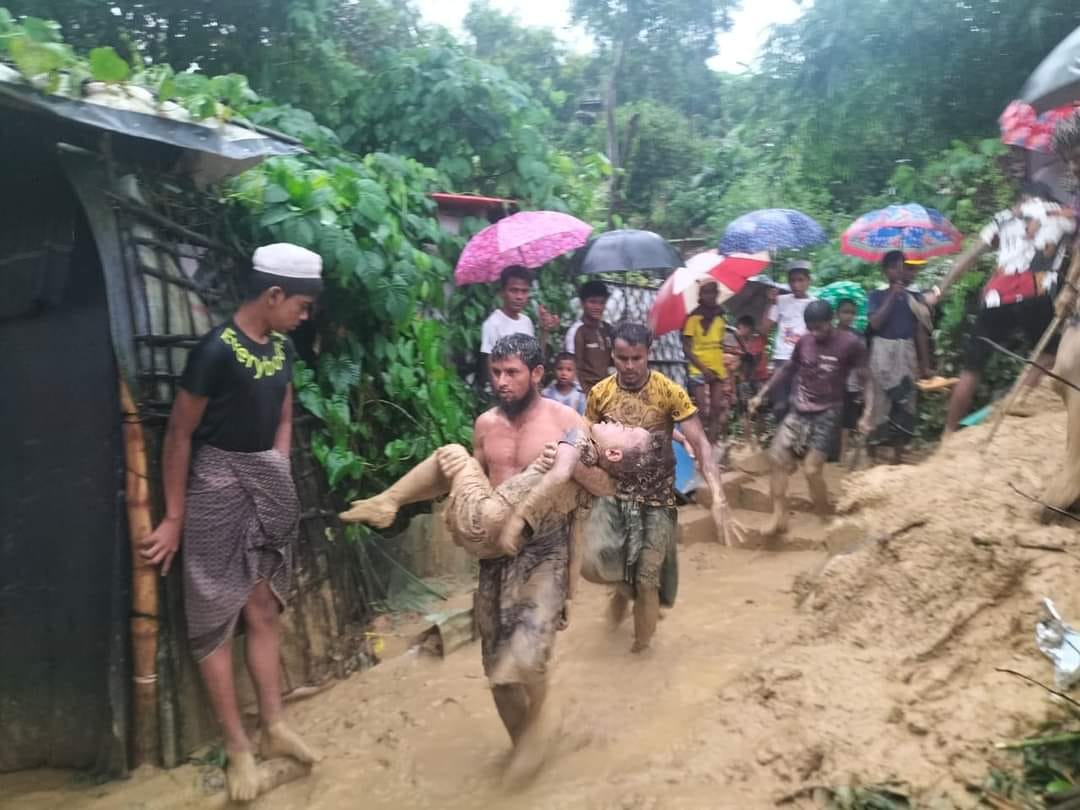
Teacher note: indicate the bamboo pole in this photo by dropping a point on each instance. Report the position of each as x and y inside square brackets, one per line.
[144, 584]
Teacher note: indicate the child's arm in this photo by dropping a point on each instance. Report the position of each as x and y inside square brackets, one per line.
[538, 501]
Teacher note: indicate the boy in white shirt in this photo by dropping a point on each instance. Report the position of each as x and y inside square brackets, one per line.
[787, 315]
[515, 283]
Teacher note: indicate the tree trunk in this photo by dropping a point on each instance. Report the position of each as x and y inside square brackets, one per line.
[610, 103]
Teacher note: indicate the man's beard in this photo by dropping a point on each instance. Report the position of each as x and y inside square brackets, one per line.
[517, 407]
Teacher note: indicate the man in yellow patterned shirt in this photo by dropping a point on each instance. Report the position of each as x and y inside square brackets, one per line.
[630, 538]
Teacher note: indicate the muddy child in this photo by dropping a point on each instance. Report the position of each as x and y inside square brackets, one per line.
[817, 374]
[229, 495]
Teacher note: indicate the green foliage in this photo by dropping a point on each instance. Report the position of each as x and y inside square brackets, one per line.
[107, 66]
[664, 45]
[34, 47]
[381, 386]
[1047, 766]
[461, 115]
[862, 85]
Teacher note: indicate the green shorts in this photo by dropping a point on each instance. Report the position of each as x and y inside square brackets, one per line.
[633, 543]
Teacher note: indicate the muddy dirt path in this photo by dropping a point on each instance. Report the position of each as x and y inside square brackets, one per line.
[637, 732]
[889, 670]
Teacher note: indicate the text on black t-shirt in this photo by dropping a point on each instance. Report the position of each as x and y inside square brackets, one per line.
[245, 383]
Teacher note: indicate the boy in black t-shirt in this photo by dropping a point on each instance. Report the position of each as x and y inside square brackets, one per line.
[229, 492]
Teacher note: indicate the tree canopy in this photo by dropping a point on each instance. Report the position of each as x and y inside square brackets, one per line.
[855, 104]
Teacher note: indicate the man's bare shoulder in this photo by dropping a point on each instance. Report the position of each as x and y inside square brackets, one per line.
[562, 415]
[487, 420]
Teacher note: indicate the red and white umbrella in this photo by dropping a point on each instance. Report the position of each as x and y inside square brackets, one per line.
[678, 296]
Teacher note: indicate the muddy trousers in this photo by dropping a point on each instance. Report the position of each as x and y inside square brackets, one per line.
[633, 546]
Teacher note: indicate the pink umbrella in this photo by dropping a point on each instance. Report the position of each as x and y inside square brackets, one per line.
[527, 239]
[678, 296]
[1022, 126]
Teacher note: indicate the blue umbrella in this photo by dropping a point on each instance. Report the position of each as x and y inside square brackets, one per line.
[771, 229]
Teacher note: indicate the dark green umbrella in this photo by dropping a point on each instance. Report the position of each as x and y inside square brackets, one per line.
[1056, 81]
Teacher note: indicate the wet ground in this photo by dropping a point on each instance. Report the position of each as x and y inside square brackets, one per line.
[636, 732]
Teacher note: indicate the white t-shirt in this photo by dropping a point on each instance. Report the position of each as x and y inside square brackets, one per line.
[498, 325]
[787, 314]
[570, 334]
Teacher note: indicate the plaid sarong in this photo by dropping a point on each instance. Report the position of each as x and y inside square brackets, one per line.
[240, 521]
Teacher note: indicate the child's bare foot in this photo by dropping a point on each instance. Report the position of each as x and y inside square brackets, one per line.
[278, 740]
[378, 512]
[242, 776]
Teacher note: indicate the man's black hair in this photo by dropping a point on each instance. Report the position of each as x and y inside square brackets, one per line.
[747, 320]
[562, 357]
[525, 347]
[636, 334]
[514, 271]
[798, 266]
[1038, 190]
[818, 312]
[894, 258]
[594, 289]
[258, 282]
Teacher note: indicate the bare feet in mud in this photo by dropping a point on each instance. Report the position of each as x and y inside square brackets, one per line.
[776, 527]
[617, 608]
[378, 512]
[278, 740]
[531, 750]
[242, 776]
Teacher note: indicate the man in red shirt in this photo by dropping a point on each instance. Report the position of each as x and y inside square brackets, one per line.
[1030, 241]
[817, 372]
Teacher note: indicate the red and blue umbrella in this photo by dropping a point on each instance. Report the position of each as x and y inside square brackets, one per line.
[921, 233]
[771, 229]
[1022, 126]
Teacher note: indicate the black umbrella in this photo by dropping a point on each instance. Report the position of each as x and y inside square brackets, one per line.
[1056, 81]
[626, 251]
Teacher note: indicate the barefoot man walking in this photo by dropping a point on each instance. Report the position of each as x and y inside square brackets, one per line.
[641, 519]
[230, 493]
[817, 373]
[521, 601]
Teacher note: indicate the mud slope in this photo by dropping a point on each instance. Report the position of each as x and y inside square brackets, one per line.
[777, 669]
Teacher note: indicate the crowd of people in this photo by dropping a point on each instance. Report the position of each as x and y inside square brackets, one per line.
[572, 473]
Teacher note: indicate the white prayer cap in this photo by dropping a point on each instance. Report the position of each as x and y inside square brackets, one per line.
[287, 261]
